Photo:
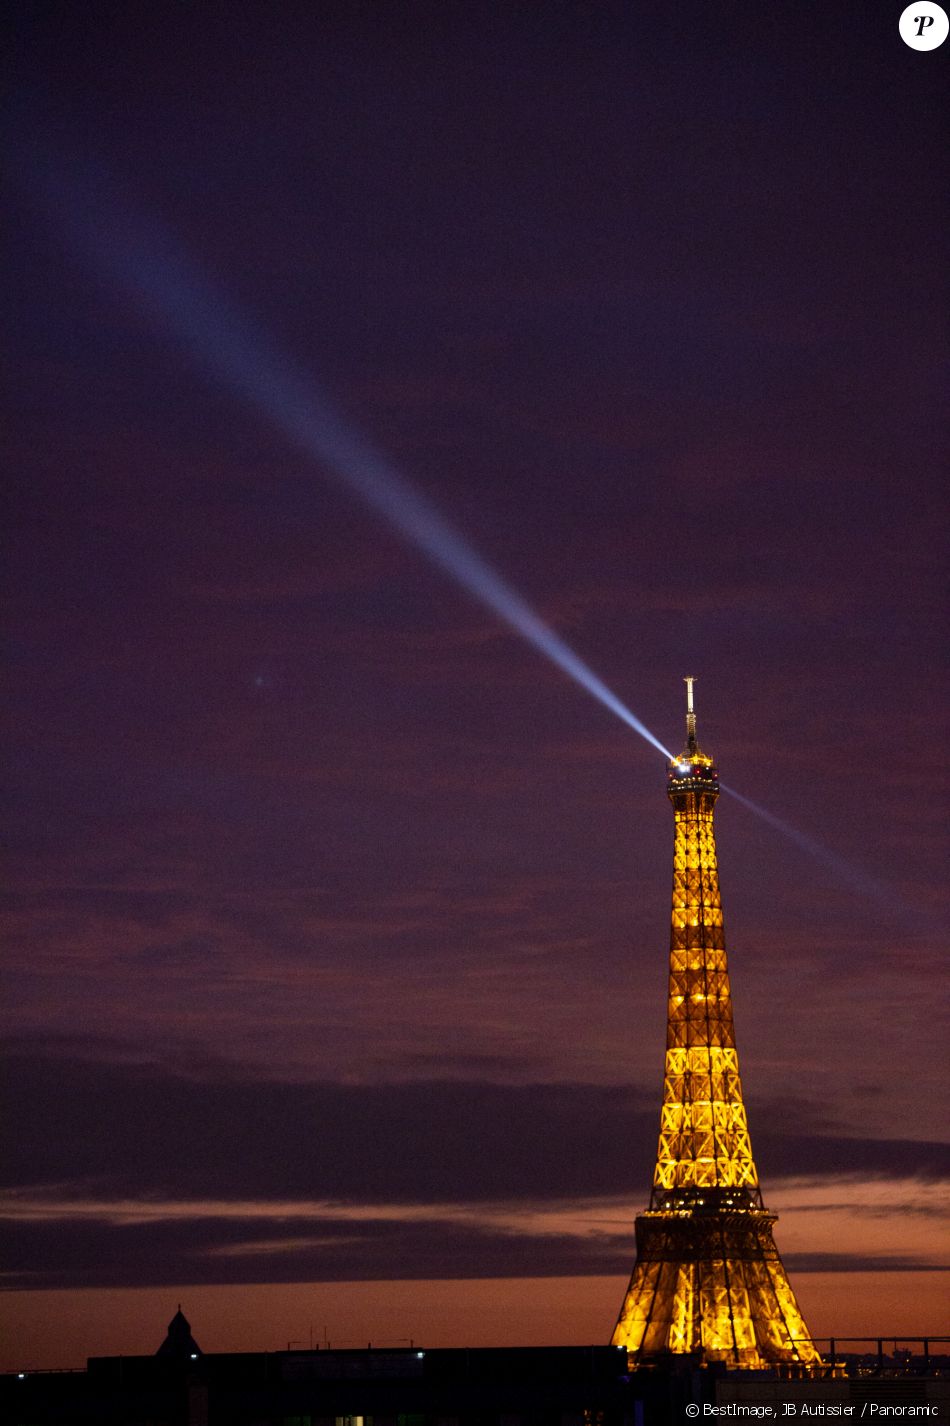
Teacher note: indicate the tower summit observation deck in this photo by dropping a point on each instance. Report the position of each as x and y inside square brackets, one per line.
[708, 1280]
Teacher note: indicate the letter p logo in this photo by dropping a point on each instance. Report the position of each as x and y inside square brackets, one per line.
[924, 26]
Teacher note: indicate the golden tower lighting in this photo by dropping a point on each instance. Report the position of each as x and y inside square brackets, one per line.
[708, 1280]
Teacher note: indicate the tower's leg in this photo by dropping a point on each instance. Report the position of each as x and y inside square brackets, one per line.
[712, 1285]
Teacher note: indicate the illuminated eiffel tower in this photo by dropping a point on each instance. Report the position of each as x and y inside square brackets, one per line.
[708, 1280]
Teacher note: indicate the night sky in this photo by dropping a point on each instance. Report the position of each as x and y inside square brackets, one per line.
[336, 916]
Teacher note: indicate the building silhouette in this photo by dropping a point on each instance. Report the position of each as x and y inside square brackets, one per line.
[179, 1345]
[708, 1281]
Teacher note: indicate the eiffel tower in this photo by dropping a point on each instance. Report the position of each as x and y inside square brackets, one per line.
[708, 1281]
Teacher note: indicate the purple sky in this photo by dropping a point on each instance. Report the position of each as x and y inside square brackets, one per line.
[327, 895]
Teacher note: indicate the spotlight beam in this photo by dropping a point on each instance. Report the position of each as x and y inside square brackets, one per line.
[846, 871]
[161, 277]
[157, 272]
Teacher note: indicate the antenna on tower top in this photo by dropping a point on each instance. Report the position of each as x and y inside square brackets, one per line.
[690, 715]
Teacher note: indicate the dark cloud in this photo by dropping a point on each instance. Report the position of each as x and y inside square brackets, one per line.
[79, 1253]
[133, 1129]
[136, 1129]
[94, 1252]
[859, 1263]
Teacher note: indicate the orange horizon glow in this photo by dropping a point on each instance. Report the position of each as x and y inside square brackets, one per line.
[478, 1312]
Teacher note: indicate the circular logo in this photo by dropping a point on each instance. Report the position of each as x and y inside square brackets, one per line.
[924, 26]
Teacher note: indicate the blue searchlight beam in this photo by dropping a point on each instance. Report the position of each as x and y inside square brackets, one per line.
[159, 275]
[860, 880]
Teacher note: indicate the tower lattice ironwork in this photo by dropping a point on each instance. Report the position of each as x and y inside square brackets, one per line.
[708, 1279]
